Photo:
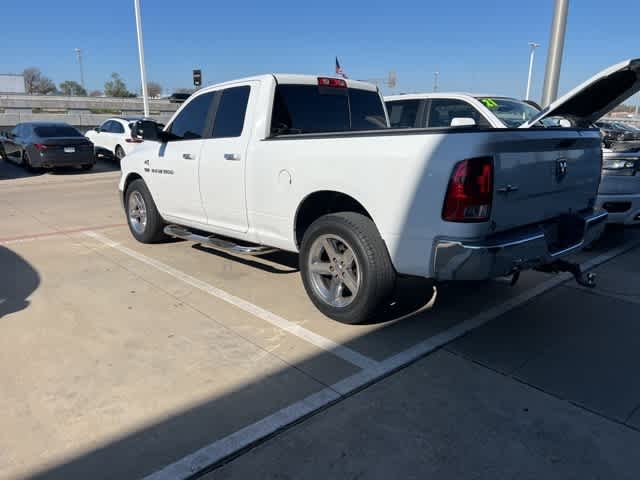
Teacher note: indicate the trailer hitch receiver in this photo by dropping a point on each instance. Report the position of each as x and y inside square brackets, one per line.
[586, 279]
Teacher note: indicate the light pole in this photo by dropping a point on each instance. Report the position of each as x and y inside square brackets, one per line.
[436, 78]
[79, 55]
[143, 72]
[532, 55]
[554, 57]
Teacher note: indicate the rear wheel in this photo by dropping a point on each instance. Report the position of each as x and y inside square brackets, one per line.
[119, 153]
[26, 163]
[345, 267]
[145, 223]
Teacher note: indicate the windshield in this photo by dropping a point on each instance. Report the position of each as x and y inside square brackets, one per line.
[511, 112]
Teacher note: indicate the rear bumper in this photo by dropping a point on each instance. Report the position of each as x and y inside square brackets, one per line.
[623, 209]
[511, 252]
[61, 159]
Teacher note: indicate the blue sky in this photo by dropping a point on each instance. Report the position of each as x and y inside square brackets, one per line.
[475, 45]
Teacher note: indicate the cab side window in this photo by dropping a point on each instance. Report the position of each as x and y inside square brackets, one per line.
[116, 127]
[443, 110]
[106, 127]
[229, 121]
[191, 122]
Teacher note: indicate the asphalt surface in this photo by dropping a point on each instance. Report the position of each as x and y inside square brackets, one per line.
[122, 360]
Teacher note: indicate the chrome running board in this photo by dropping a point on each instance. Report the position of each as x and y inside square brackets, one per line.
[213, 241]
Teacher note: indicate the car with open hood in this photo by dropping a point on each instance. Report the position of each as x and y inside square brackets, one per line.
[581, 108]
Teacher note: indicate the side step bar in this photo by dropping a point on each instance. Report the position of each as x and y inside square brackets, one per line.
[213, 241]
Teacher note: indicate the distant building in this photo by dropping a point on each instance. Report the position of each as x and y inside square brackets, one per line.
[11, 83]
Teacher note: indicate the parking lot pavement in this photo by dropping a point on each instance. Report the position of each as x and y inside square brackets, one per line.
[123, 359]
[446, 417]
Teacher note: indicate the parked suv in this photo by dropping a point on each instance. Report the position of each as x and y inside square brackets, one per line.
[113, 138]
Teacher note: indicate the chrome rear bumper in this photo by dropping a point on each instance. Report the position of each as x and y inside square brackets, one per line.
[509, 253]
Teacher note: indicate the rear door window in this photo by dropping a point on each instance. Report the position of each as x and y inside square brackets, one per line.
[443, 110]
[229, 119]
[192, 120]
[403, 114]
[314, 109]
[116, 127]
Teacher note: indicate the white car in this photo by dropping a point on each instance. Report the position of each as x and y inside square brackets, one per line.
[114, 137]
[309, 164]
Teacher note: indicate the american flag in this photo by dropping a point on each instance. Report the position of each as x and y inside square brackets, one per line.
[339, 69]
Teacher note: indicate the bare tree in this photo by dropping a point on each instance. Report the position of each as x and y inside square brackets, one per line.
[36, 82]
[154, 89]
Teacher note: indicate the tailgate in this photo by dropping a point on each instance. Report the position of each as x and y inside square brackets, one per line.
[543, 175]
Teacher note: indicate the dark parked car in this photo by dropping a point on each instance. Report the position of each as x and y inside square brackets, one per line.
[614, 132]
[38, 145]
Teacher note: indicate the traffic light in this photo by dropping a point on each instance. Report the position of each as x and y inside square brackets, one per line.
[197, 78]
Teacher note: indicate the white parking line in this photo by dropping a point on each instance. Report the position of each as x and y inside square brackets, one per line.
[251, 434]
[319, 341]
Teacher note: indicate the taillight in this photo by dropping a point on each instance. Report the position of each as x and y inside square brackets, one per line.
[40, 146]
[470, 192]
[332, 82]
[133, 140]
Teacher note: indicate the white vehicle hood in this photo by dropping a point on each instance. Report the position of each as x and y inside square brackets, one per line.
[596, 97]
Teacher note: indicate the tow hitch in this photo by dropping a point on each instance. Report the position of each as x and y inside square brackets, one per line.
[587, 279]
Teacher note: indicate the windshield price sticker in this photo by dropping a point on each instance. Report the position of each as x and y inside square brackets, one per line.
[489, 102]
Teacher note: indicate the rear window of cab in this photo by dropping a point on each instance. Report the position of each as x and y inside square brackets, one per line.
[316, 109]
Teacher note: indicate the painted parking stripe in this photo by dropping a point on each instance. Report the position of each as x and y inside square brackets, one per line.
[226, 447]
[319, 341]
[57, 233]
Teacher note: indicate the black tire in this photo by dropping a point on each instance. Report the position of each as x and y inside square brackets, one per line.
[87, 166]
[377, 275]
[118, 153]
[152, 231]
[26, 162]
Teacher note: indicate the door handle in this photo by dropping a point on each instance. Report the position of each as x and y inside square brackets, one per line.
[188, 156]
[232, 156]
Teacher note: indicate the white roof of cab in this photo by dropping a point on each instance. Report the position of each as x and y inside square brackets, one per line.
[423, 96]
[295, 79]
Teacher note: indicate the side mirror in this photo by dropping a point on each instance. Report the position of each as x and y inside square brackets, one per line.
[97, 129]
[147, 130]
[463, 122]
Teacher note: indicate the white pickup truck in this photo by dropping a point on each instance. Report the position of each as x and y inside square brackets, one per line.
[308, 164]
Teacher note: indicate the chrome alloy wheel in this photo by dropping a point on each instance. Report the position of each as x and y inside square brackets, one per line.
[333, 267]
[137, 212]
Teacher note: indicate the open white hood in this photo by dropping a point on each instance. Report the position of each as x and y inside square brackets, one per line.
[596, 97]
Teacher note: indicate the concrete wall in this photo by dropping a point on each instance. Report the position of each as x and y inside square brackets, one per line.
[81, 112]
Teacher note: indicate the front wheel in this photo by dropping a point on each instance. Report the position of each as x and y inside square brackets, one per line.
[145, 223]
[345, 267]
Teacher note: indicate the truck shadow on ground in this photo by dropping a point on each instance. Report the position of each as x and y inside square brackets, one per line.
[19, 280]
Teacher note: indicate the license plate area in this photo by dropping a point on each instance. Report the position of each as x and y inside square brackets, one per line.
[564, 232]
[69, 149]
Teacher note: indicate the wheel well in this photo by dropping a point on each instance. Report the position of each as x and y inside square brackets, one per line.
[321, 203]
[130, 178]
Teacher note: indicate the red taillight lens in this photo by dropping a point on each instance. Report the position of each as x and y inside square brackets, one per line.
[40, 146]
[331, 82]
[470, 191]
